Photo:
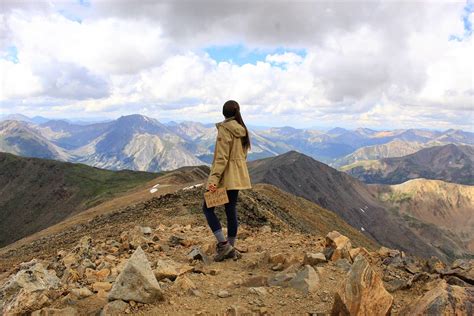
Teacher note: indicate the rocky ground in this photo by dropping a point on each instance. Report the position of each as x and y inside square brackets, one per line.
[168, 270]
[155, 258]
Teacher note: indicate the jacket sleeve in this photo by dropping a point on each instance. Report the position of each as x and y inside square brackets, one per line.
[223, 147]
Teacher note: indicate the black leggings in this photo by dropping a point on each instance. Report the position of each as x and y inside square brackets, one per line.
[230, 211]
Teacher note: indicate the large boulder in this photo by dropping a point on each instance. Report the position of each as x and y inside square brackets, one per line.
[28, 289]
[136, 282]
[444, 299]
[362, 293]
[337, 246]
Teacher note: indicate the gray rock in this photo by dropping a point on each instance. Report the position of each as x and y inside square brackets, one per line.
[453, 280]
[136, 282]
[343, 264]
[306, 280]
[146, 230]
[281, 279]
[197, 254]
[174, 241]
[314, 258]
[24, 291]
[395, 285]
[114, 308]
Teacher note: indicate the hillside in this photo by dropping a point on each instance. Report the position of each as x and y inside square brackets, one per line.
[36, 193]
[452, 163]
[444, 210]
[153, 257]
[303, 176]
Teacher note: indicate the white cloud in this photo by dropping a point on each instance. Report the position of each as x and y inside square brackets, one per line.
[366, 63]
[17, 80]
[285, 58]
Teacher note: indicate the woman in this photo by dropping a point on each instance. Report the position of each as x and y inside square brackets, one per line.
[229, 171]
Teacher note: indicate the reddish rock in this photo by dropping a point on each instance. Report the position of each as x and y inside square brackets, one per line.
[359, 250]
[362, 293]
[337, 246]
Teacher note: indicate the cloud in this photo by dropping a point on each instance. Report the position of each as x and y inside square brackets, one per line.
[364, 62]
[285, 58]
[17, 80]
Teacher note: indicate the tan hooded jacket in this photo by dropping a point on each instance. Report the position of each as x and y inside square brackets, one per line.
[229, 166]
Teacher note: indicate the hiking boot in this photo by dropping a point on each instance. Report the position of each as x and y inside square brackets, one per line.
[223, 251]
[235, 254]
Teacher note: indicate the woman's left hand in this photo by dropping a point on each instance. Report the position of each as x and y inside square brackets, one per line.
[212, 187]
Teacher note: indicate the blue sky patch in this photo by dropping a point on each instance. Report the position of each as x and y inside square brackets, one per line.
[85, 3]
[11, 54]
[241, 55]
[69, 15]
[467, 11]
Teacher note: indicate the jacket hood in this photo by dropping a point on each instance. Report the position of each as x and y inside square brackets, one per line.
[233, 126]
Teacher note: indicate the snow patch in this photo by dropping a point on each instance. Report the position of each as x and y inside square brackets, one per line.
[362, 210]
[362, 229]
[193, 186]
[153, 190]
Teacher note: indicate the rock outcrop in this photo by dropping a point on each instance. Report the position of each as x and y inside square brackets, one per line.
[362, 293]
[444, 299]
[28, 289]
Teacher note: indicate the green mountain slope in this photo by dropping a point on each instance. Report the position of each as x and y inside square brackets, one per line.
[36, 193]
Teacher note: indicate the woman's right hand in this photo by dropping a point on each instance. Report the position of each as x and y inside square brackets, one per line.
[212, 187]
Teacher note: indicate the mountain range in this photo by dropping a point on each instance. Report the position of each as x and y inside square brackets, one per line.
[429, 219]
[361, 206]
[141, 143]
[440, 211]
[452, 163]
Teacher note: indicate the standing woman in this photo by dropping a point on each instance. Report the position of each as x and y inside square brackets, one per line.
[229, 171]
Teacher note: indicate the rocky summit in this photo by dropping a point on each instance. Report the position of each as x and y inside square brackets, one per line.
[165, 270]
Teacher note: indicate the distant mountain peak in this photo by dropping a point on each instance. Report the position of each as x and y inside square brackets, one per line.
[337, 131]
[135, 117]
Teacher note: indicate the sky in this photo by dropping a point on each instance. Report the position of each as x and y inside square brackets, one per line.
[377, 64]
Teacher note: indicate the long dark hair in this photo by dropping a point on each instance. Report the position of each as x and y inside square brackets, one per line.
[232, 108]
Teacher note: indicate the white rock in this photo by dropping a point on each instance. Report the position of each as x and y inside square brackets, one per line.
[137, 282]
